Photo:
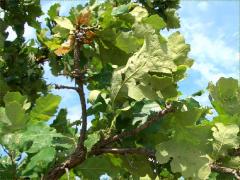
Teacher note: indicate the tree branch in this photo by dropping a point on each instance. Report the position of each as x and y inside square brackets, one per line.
[14, 167]
[235, 152]
[79, 155]
[79, 82]
[152, 119]
[142, 151]
[57, 86]
[226, 170]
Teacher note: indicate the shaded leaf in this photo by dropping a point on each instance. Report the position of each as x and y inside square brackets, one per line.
[54, 11]
[122, 9]
[16, 115]
[91, 140]
[39, 162]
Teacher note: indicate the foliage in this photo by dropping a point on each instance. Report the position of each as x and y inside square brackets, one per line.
[140, 126]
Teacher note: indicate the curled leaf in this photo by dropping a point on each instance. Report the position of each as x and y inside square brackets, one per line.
[65, 47]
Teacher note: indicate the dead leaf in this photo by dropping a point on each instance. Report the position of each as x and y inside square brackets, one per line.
[65, 47]
[84, 17]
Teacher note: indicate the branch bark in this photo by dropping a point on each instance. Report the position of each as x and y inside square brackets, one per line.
[226, 170]
[149, 122]
[79, 82]
[79, 155]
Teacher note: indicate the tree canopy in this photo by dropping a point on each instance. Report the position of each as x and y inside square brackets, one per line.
[141, 127]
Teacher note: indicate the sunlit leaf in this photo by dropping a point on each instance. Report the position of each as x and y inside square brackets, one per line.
[64, 22]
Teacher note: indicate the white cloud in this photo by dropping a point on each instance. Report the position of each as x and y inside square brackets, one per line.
[214, 50]
[213, 56]
[210, 73]
[11, 34]
[74, 113]
[203, 5]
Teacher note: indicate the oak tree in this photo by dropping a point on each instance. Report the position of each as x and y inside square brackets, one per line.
[140, 128]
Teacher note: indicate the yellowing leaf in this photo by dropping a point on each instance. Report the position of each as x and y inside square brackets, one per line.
[65, 47]
[64, 22]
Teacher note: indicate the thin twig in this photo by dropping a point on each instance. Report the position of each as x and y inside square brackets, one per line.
[226, 170]
[142, 151]
[57, 86]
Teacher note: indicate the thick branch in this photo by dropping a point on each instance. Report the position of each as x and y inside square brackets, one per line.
[135, 131]
[226, 170]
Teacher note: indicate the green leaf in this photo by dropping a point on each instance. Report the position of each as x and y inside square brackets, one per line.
[127, 42]
[45, 107]
[16, 114]
[3, 117]
[91, 140]
[148, 107]
[39, 162]
[64, 22]
[110, 53]
[61, 123]
[155, 21]
[187, 146]
[139, 13]
[89, 169]
[93, 95]
[16, 96]
[186, 159]
[40, 136]
[225, 137]
[171, 18]
[69, 175]
[54, 11]
[122, 9]
[6, 168]
[138, 165]
[155, 57]
[4, 88]
[225, 96]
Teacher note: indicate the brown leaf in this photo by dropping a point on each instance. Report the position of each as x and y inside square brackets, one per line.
[90, 34]
[84, 18]
[65, 47]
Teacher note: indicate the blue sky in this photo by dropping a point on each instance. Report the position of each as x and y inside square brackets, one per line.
[211, 28]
